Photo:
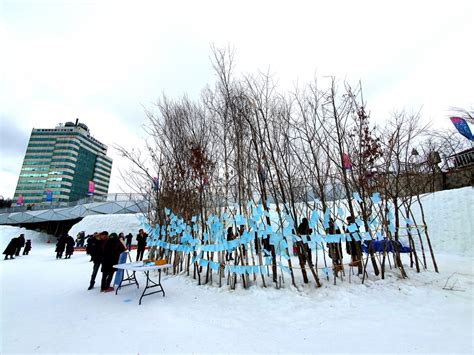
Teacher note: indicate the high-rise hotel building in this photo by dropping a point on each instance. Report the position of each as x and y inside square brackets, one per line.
[60, 163]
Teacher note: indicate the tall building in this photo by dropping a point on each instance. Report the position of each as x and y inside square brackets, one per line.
[63, 164]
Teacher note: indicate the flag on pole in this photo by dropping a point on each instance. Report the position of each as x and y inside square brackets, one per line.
[90, 190]
[155, 184]
[462, 127]
[346, 162]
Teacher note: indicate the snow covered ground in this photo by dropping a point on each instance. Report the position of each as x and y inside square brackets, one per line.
[46, 308]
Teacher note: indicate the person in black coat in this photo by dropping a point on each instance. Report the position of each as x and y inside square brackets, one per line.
[354, 247]
[20, 244]
[230, 237]
[81, 236]
[128, 239]
[60, 245]
[88, 241]
[95, 248]
[335, 249]
[69, 247]
[113, 247]
[141, 244]
[27, 247]
[303, 229]
[11, 248]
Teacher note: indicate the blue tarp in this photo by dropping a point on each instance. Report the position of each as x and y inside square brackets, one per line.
[379, 246]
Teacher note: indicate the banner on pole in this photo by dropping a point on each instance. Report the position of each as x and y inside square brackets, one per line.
[19, 201]
[49, 195]
[462, 127]
[90, 190]
[346, 162]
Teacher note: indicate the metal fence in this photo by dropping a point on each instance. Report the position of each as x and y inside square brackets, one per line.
[90, 199]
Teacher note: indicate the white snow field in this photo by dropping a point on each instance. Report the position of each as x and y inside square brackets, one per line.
[46, 308]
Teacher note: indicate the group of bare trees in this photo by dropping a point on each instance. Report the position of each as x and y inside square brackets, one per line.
[245, 143]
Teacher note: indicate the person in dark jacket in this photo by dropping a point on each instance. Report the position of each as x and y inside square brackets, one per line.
[69, 247]
[128, 239]
[141, 244]
[303, 229]
[27, 247]
[113, 247]
[60, 246]
[354, 247]
[230, 237]
[335, 249]
[95, 248]
[20, 244]
[80, 240]
[11, 248]
[90, 238]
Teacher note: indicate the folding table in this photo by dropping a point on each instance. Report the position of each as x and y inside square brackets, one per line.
[132, 280]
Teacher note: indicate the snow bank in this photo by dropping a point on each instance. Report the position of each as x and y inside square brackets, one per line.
[113, 223]
[449, 216]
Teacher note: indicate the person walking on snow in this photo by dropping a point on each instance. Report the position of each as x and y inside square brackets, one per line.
[69, 247]
[11, 248]
[27, 247]
[21, 244]
[60, 245]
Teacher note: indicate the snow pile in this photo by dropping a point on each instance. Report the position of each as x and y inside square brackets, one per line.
[450, 218]
[112, 223]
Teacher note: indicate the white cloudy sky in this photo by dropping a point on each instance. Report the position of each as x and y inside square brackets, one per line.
[102, 61]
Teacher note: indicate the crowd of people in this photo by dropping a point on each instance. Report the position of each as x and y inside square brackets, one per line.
[65, 243]
[14, 247]
[105, 249]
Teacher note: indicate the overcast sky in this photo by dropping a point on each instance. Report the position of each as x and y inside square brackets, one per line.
[103, 61]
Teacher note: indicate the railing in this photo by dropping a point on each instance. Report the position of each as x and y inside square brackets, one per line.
[89, 199]
[461, 160]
